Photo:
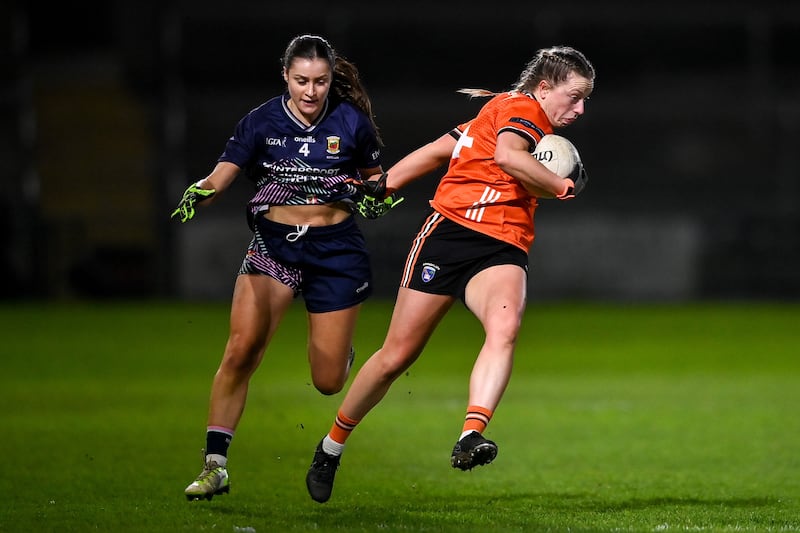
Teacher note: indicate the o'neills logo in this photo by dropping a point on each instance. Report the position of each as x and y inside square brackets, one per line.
[334, 144]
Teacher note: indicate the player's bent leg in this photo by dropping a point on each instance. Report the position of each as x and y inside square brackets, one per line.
[330, 349]
[415, 317]
[496, 296]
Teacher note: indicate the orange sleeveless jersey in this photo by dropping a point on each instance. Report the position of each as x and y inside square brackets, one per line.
[475, 192]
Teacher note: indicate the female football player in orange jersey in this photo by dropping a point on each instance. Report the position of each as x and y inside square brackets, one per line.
[472, 246]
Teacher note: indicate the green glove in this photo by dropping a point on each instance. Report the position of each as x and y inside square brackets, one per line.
[372, 208]
[191, 196]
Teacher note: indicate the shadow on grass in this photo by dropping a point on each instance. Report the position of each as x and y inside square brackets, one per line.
[592, 503]
[509, 512]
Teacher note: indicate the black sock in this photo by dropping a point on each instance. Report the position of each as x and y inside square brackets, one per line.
[217, 442]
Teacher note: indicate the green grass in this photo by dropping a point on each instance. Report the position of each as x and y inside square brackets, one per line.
[617, 418]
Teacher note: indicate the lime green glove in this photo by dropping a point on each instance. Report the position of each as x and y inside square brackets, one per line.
[372, 208]
[191, 196]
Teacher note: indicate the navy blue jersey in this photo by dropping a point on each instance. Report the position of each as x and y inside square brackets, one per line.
[294, 164]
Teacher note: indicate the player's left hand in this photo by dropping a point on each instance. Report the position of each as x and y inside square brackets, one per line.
[191, 196]
[374, 188]
[371, 208]
[569, 190]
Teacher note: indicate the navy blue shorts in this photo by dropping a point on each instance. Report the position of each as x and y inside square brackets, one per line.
[445, 256]
[328, 265]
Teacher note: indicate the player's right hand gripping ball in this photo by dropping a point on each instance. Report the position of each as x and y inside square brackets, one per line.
[191, 196]
[560, 156]
[372, 208]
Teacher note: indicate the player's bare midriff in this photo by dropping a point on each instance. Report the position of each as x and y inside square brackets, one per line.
[311, 215]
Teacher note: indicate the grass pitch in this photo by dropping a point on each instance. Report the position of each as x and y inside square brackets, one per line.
[617, 418]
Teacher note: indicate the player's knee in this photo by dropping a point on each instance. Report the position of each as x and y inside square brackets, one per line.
[502, 332]
[240, 362]
[392, 363]
[328, 386]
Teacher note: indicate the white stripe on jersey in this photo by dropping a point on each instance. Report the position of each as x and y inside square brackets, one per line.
[489, 196]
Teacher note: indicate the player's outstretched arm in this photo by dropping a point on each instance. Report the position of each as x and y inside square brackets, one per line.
[379, 194]
[205, 190]
[421, 161]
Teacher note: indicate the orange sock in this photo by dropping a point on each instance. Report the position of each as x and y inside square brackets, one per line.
[477, 419]
[342, 427]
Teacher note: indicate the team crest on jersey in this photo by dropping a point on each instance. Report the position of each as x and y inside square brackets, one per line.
[429, 271]
[334, 144]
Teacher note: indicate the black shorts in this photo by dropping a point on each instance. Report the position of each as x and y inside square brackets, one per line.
[445, 256]
[328, 265]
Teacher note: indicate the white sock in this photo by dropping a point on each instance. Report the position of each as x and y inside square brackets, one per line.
[331, 447]
[466, 433]
[221, 460]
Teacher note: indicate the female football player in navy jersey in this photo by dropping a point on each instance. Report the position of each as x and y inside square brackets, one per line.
[303, 150]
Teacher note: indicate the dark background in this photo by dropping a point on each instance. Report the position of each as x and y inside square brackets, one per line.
[691, 138]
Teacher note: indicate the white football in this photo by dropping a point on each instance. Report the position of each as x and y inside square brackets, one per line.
[561, 157]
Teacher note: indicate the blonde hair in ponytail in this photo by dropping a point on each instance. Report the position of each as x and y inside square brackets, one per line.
[552, 64]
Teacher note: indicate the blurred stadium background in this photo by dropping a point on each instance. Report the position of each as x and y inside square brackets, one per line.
[110, 108]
